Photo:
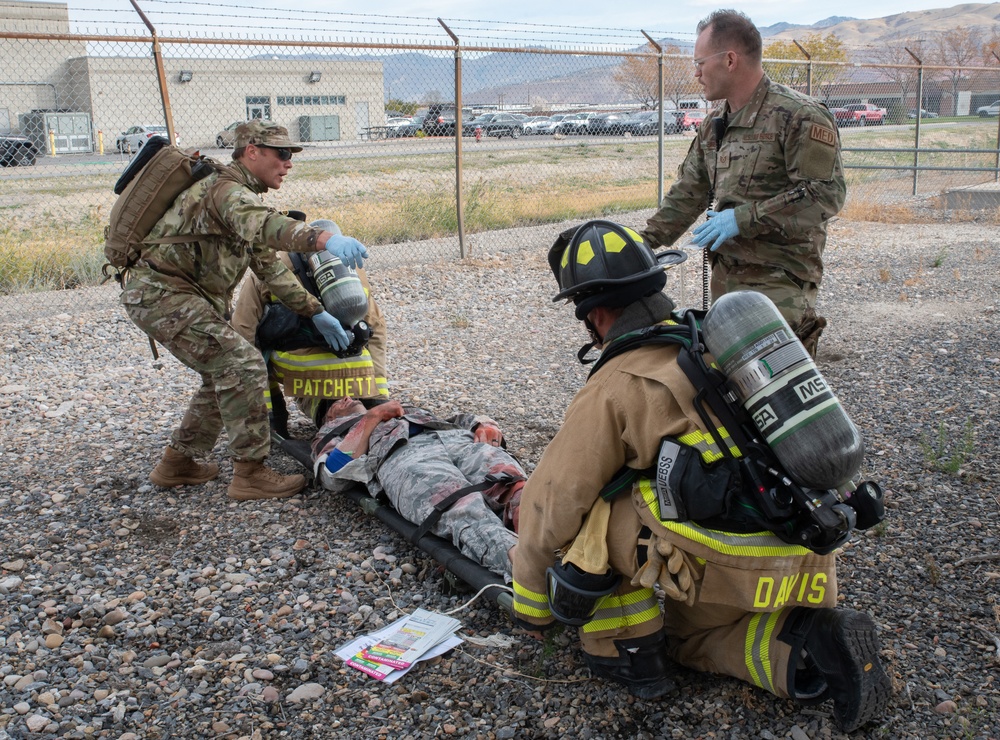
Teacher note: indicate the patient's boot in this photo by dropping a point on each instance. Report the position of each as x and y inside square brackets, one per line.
[642, 666]
[177, 469]
[253, 480]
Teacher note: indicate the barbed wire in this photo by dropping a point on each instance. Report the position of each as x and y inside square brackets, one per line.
[229, 19]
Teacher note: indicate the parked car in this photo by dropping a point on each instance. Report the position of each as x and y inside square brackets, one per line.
[494, 124]
[576, 123]
[985, 111]
[645, 122]
[550, 126]
[440, 120]
[17, 151]
[691, 119]
[133, 139]
[409, 128]
[392, 125]
[923, 113]
[612, 124]
[225, 138]
[535, 124]
[859, 114]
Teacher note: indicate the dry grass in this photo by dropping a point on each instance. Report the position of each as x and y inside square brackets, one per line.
[863, 209]
[57, 256]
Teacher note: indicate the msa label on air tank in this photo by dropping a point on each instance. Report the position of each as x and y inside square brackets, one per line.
[810, 388]
[764, 416]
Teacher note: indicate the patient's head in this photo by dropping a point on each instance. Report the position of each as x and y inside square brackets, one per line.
[344, 407]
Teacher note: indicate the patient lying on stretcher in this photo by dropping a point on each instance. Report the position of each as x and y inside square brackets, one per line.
[422, 464]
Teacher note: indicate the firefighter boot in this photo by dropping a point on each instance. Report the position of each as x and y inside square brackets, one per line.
[642, 666]
[177, 469]
[838, 659]
[253, 480]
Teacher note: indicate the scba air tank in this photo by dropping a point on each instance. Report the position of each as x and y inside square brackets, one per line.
[340, 288]
[788, 399]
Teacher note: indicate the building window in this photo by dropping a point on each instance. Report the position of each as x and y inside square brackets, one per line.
[312, 99]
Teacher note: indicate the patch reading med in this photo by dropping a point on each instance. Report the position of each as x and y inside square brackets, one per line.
[823, 135]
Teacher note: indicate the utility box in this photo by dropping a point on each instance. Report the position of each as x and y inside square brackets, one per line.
[72, 130]
[319, 128]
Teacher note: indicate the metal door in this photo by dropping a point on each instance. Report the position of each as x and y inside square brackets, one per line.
[361, 121]
[258, 107]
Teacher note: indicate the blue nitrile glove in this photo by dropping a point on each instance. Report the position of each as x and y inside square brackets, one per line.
[331, 330]
[347, 249]
[721, 226]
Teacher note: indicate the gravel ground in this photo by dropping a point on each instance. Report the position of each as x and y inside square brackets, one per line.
[131, 612]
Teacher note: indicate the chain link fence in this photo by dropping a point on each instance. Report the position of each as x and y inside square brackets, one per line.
[426, 148]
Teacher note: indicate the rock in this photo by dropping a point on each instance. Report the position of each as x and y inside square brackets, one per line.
[798, 733]
[946, 707]
[305, 692]
[270, 694]
[14, 566]
[115, 617]
[37, 722]
[53, 641]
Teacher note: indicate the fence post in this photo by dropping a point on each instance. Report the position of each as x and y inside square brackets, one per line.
[659, 137]
[161, 75]
[809, 68]
[920, 107]
[996, 174]
[459, 204]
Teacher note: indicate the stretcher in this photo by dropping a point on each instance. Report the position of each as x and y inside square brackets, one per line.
[443, 551]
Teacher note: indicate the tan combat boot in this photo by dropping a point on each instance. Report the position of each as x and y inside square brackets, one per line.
[254, 480]
[177, 469]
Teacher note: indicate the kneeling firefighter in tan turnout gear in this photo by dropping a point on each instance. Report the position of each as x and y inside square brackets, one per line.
[652, 481]
[298, 359]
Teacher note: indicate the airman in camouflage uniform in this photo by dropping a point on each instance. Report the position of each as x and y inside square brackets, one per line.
[418, 461]
[777, 167]
[180, 293]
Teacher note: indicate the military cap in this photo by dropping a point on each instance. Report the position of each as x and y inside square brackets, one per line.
[264, 133]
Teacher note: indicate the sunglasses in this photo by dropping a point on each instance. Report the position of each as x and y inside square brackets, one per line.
[283, 154]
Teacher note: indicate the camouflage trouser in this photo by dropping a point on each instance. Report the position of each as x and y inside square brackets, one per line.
[795, 299]
[434, 464]
[233, 377]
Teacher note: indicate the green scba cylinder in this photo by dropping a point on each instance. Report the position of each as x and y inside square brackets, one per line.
[340, 288]
[787, 397]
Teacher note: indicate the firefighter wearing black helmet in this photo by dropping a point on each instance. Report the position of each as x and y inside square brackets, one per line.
[739, 603]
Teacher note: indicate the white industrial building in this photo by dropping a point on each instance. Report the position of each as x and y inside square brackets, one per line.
[84, 92]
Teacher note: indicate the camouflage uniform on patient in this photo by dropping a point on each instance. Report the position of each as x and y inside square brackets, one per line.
[417, 460]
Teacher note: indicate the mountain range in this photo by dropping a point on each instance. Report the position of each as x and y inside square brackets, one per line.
[543, 80]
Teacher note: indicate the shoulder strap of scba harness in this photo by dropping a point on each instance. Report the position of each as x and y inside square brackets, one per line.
[782, 512]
